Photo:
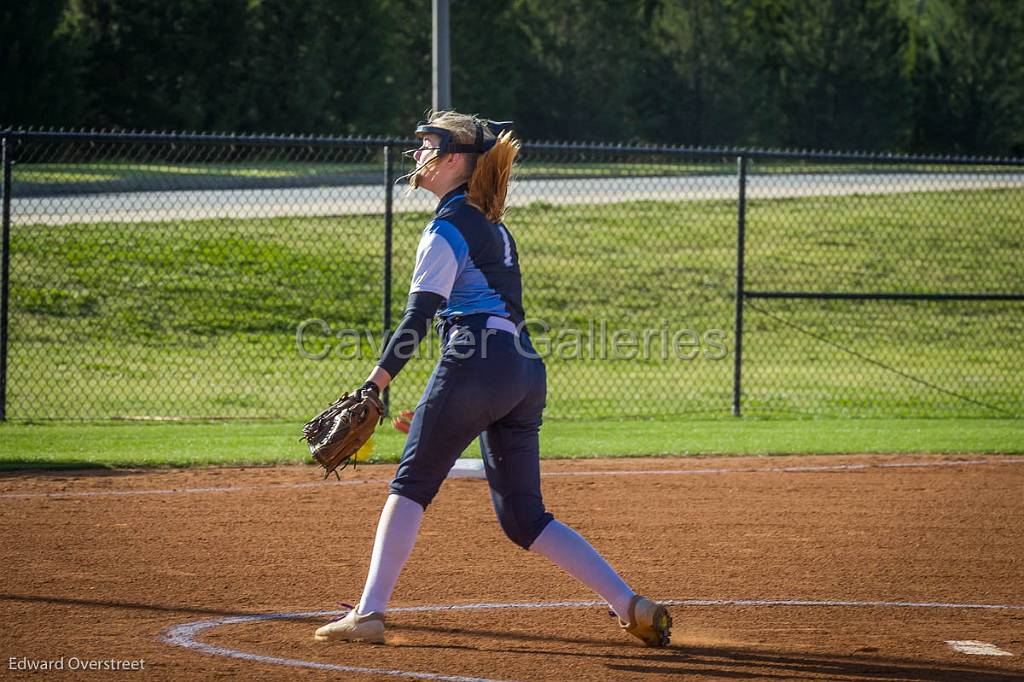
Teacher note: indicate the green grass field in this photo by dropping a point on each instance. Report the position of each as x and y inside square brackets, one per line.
[29, 446]
[166, 174]
[632, 304]
[198, 319]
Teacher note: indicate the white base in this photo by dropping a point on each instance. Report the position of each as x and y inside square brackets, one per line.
[467, 468]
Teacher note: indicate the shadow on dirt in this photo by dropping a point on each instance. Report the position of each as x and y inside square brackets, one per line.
[727, 662]
[100, 603]
[69, 468]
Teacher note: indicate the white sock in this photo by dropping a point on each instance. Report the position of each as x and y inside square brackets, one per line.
[396, 535]
[569, 551]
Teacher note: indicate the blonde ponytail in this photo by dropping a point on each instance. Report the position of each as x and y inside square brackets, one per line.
[489, 173]
[488, 186]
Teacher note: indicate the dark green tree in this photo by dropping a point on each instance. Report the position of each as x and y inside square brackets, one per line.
[38, 85]
[322, 66]
[970, 95]
[586, 64]
[835, 78]
[494, 61]
[696, 89]
[171, 65]
[922, 75]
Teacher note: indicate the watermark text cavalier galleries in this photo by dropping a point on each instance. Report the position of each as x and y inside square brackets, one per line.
[315, 339]
[75, 663]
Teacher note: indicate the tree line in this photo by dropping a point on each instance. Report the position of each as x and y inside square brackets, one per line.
[941, 76]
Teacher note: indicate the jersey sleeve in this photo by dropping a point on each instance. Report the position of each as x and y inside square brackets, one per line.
[440, 258]
[414, 326]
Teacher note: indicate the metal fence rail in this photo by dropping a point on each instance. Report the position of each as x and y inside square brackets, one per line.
[198, 276]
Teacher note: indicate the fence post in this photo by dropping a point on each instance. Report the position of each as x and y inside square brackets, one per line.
[741, 229]
[389, 184]
[7, 145]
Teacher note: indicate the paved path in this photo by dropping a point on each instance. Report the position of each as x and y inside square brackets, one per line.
[146, 207]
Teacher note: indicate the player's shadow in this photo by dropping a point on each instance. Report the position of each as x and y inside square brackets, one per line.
[731, 663]
[110, 604]
[625, 658]
[716, 662]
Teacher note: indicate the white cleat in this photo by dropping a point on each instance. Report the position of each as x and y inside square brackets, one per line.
[354, 627]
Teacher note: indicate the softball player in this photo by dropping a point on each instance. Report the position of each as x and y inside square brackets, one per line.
[489, 381]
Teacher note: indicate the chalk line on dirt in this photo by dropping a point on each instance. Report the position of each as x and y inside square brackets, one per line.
[185, 635]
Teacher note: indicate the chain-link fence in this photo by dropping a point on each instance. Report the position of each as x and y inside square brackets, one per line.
[883, 289]
[188, 276]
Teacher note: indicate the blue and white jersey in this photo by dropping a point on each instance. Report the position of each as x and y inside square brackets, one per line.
[469, 261]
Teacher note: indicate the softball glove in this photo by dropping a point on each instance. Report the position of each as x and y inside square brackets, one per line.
[335, 435]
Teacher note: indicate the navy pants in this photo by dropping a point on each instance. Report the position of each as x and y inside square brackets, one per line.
[485, 384]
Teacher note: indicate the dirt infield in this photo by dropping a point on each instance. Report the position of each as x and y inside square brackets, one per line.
[832, 568]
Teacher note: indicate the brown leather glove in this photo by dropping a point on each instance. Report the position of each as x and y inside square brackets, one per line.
[335, 435]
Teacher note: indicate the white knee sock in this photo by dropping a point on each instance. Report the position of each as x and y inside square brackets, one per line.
[396, 535]
[569, 551]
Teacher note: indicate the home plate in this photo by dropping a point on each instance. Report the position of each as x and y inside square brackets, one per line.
[467, 468]
[975, 648]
